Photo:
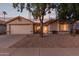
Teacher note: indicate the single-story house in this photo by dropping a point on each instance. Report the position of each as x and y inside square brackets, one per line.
[2, 27]
[19, 25]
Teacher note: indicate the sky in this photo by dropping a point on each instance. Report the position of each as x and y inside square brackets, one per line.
[11, 12]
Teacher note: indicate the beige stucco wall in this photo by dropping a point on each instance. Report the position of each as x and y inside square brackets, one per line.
[56, 27]
[53, 27]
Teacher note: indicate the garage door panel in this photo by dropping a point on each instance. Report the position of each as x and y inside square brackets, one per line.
[21, 29]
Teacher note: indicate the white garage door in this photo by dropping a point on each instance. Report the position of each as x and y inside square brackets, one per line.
[21, 29]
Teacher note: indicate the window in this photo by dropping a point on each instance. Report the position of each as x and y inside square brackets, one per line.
[63, 27]
[45, 29]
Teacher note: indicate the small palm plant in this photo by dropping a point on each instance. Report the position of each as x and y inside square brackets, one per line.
[4, 13]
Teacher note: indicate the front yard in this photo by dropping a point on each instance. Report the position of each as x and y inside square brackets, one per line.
[49, 41]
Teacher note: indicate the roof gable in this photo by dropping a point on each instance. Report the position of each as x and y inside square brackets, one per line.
[19, 20]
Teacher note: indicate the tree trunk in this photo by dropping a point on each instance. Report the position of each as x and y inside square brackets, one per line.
[71, 28]
[41, 31]
[4, 17]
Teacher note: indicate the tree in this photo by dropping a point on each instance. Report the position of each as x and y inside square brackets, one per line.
[38, 10]
[4, 13]
[68, 12]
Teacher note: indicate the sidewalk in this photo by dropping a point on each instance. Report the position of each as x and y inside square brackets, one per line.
[39, 52]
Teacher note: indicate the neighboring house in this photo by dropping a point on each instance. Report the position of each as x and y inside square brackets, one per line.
[6, 18]
[76, 26]
[19, 25]
[2, 27]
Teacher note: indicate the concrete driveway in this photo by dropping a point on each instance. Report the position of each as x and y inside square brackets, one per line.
[8, 40]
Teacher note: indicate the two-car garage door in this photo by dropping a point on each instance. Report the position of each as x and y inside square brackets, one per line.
[21, 29]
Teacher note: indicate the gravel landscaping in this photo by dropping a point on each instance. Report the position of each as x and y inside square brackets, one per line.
[49, 41]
